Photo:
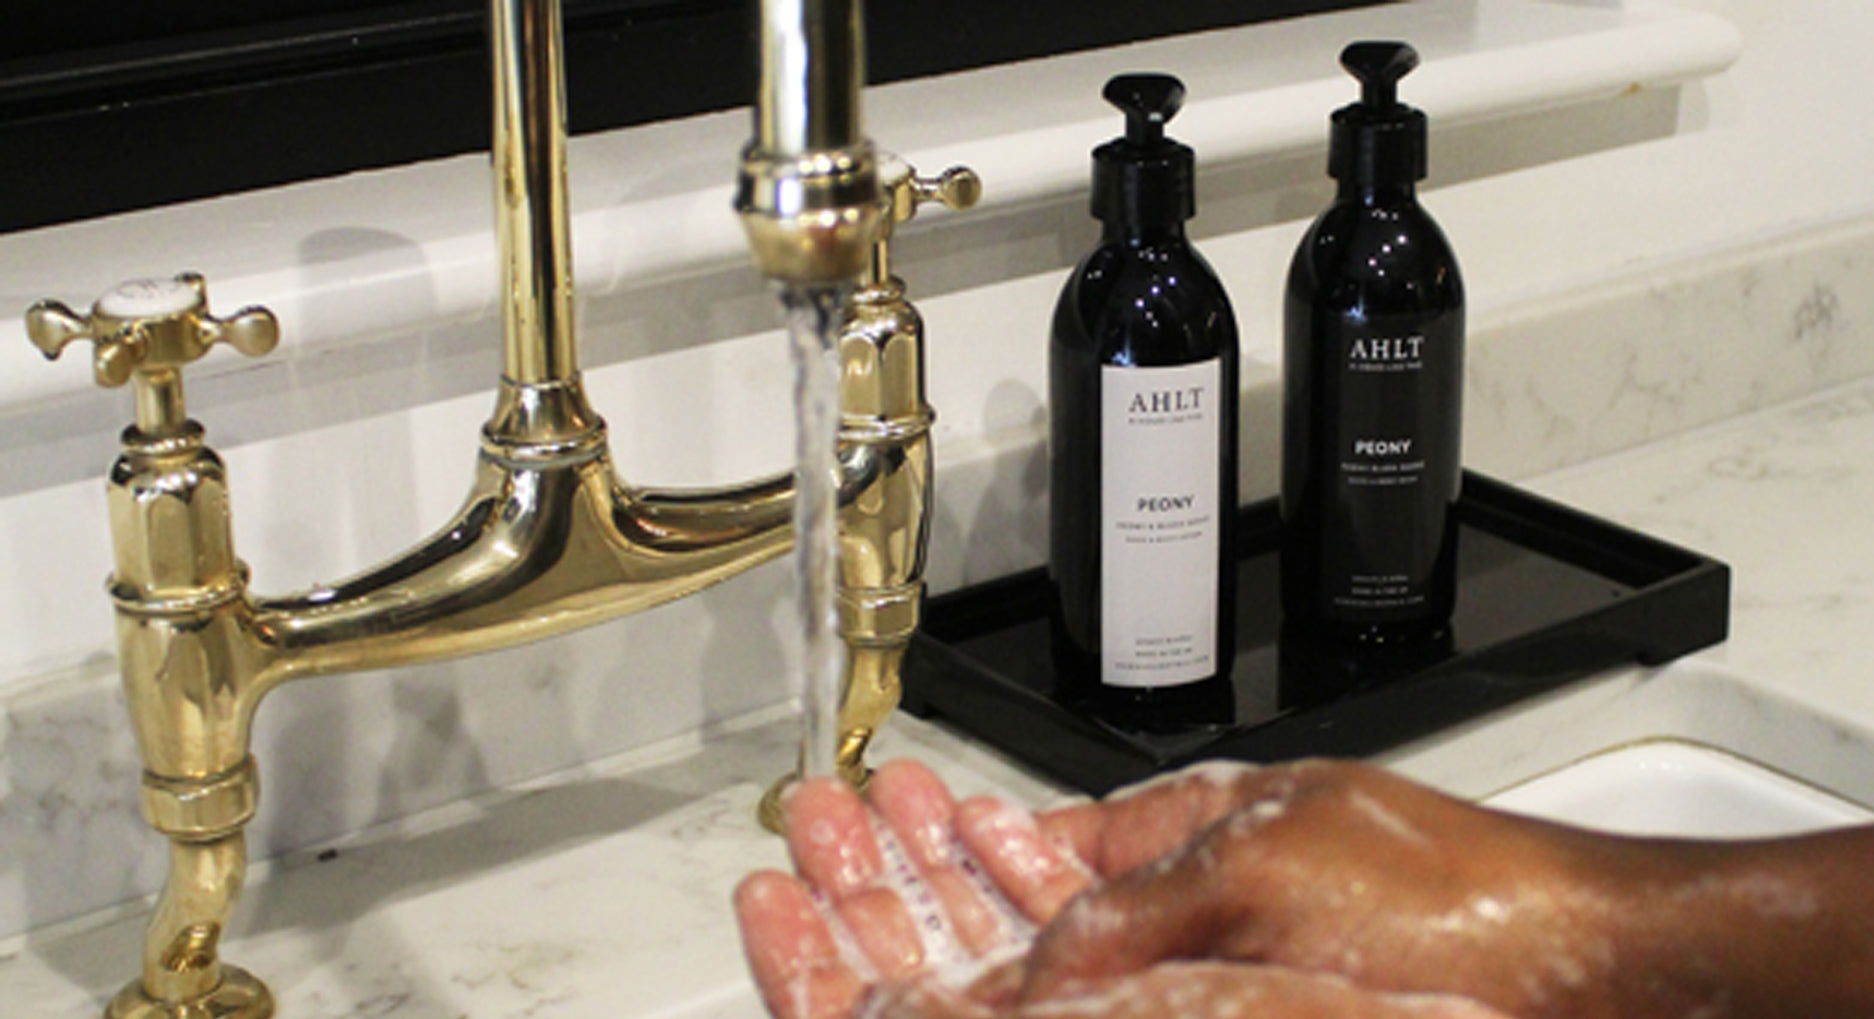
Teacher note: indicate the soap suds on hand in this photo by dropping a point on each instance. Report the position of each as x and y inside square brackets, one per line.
[1219, 774]
[1387, 820]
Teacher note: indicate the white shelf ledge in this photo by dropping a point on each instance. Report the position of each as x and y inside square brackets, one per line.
[410, 248]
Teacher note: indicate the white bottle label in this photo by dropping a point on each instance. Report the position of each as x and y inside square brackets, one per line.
[1160, 438]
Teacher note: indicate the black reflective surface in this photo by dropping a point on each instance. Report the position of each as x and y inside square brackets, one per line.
[1546, 595]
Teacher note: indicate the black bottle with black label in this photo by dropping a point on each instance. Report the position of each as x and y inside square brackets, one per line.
[1373, 387]
[1142, 395]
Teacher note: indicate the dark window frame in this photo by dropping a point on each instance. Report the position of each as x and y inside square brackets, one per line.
[90, 130]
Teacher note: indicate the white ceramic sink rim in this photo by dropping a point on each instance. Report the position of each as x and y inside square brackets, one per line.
[1676, 787]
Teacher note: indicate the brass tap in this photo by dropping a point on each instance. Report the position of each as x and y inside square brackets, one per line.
[178, 590]
[808, 190]
[885, 441]
[549, 540]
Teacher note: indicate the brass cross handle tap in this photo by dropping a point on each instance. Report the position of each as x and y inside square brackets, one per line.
[148, 329]
[183, 611]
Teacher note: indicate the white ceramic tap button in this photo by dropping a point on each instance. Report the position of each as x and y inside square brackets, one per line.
[149, 298]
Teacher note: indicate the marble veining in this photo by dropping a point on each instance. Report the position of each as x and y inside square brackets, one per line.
[1569, 379]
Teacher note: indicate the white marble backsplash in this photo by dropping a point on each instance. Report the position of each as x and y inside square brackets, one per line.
[342, 753]
[1560, 380]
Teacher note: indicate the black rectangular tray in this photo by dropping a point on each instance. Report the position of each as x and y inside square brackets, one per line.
[1546, 595]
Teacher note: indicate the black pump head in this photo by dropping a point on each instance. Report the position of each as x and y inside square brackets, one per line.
[1149, 101]
[1144, 179]
[1378, 141]
[1379, 66]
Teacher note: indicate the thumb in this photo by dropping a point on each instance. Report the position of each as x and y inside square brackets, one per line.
[1167, 910]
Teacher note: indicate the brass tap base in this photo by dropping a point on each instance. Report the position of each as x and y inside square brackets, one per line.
[240, 996]
[771, 813]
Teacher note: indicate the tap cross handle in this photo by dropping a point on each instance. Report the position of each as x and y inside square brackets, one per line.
[956, 188]
[149, 325]
[148, 330]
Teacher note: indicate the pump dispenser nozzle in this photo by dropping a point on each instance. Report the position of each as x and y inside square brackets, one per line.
[1378, 141]
[1149, 101]
[1144, 179]
[1379, 66]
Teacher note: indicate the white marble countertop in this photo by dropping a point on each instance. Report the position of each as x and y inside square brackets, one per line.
[605, 892]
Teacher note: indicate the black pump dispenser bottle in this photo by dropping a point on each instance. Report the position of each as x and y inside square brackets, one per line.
[1373, 366]
[1142, 380]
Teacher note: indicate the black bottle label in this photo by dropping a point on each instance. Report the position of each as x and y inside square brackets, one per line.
[1394, 474]
[1160, 513]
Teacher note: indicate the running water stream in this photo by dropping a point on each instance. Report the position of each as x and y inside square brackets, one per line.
[813, 324]
[814, 318]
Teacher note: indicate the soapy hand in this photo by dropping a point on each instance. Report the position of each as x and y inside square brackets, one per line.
[886, 899]
[1330, 867]
[1333, 867]
[1318, 889]
[926, 907]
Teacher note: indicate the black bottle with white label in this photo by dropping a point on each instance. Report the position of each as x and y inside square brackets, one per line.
[1142, 377]
[1373, 387]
